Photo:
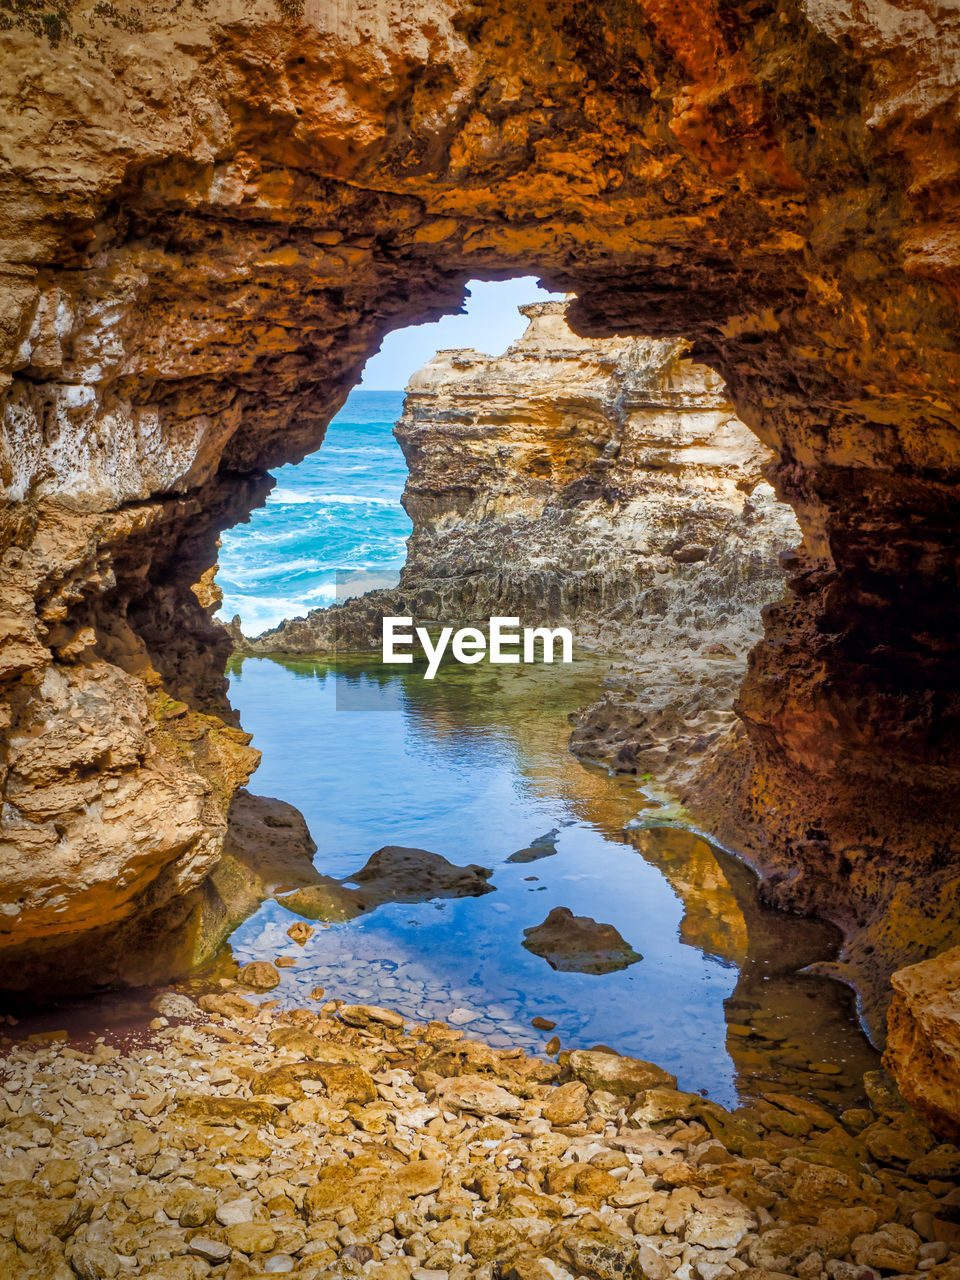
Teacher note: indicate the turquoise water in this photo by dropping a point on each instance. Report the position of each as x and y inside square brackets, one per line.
[339, 509]
[474, 765]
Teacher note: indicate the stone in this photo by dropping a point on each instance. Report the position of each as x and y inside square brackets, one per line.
[712, 1228]
[364, 1015]
[251, 1237]
[783, 1248]
[300, 932]
[171, 1004]
[533, 853]
[233, 1212]
[888, 1145]
[347, 1083]
[542, 1024]
[228, 1005]
[489, 1238]
[477, 1095]
[228, 1111]
[616, 1074]
[283, 1263]
[461, 1017]
[213, 1251]
[392, 874]
[942, 1162]
[602, 1255]
[259, 974]
[658, 1104]
[578, 944]
[566, 1104]
[93, 1262]
[418, 1178]
[196, 1211]
[891, 1248]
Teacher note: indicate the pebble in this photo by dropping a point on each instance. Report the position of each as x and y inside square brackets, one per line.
[460, 1017]
[252, 1141]
[260, 975]
[211, 1250]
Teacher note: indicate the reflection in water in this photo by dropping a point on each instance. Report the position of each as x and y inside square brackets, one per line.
[474, 766]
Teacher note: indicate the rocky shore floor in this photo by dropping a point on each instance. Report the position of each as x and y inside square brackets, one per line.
[238, 1139]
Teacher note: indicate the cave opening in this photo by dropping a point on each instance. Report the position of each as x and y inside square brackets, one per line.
[212, 214]
[556, 443]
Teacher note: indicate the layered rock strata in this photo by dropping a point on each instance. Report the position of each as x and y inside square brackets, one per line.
[603, 484]
[606, 484]
[212, 216]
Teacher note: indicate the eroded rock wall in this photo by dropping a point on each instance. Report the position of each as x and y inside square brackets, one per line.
[211, 215]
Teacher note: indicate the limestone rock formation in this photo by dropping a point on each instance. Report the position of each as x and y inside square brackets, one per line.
[923, 1044]
[602, 483]
[212, 215]
[266, 849]
[605, 484]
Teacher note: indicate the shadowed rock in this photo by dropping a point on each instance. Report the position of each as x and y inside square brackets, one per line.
[392, 874]
[542, 847]
[579, 944]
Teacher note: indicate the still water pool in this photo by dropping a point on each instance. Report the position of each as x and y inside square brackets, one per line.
[474, 766]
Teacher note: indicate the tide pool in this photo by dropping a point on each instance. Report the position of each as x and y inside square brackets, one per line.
[474, 766]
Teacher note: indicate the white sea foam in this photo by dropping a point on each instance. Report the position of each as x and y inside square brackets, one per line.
[301, 497]
[340, 507]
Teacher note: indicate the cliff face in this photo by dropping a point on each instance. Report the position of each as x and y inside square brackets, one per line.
[605, 484]
[210, 217]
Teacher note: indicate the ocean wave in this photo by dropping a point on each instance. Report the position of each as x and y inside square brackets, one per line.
[337, 511]
[296, 498]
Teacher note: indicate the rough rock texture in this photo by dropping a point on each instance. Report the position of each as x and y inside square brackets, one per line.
[247, 1142]
[266, 849]
[579, 944]
[602, 483]
[392, 874]
[212, 215]
[923, 1042]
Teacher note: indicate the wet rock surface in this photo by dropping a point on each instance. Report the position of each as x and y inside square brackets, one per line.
[266, 848]
[392, 874]
[579, 944]
[247, 1142]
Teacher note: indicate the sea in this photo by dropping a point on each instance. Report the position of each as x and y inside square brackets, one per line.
[337, 512]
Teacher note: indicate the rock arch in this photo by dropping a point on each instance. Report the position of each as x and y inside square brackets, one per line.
[213, 212]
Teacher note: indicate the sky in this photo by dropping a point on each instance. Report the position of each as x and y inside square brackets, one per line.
[490, 324]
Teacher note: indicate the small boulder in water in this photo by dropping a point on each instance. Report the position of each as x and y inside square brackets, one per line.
[300, 932]
[259, 974]
[392, 874]
[542, 847]
[579, 944]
